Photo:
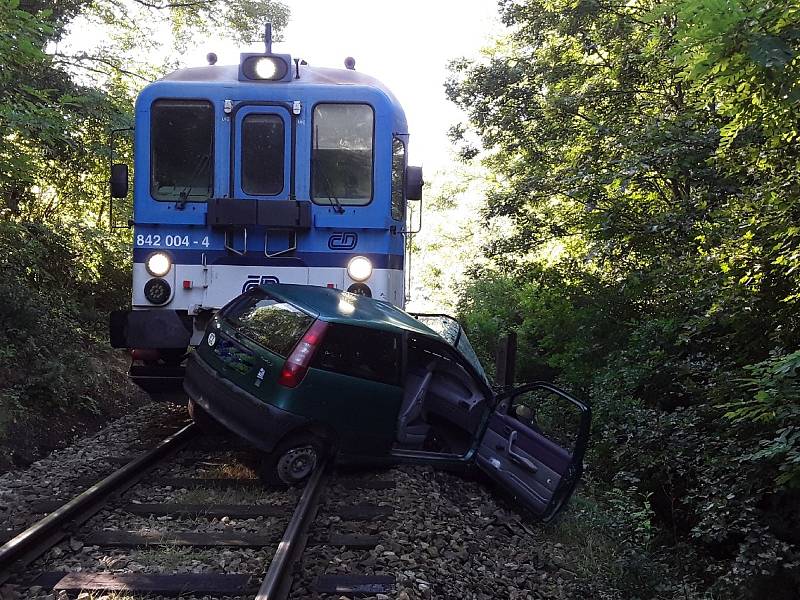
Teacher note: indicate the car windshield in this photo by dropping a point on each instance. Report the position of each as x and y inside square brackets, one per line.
[274, 324]
[450, 329]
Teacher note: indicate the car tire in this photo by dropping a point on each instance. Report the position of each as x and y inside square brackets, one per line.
[204, 421]
[292, 461]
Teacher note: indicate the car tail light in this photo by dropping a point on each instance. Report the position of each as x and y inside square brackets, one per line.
[296, 366]
[145, 354]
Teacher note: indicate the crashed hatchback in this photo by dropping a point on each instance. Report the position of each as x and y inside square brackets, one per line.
[297, 370]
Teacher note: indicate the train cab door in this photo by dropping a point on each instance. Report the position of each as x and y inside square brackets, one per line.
[262, 153]
[262, 171]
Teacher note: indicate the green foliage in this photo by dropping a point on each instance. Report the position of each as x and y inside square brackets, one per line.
[775, 385]
[61, 270]
[646, 155]
[57, 108]
[611, 537]
[54, 303]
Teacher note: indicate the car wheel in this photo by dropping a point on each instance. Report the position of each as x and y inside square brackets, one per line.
[203, 420]
[293, 461]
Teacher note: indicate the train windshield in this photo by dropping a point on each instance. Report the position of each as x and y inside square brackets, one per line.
[181, 150]
[342, 154]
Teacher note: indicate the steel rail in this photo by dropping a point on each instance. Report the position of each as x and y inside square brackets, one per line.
[278, 578]
[37, 539]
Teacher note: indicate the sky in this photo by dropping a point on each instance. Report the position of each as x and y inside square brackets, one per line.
[406, 45]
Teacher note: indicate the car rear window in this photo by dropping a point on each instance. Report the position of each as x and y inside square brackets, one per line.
[360, 352]
[274, 324]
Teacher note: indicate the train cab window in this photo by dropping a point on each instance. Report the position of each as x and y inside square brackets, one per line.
[341, 161]
[182, 150]
[398, 171]
[262, 154]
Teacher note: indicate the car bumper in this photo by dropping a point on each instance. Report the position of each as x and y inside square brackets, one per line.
[261, 424]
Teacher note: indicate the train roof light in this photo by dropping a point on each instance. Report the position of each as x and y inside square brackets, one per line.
[265, 67]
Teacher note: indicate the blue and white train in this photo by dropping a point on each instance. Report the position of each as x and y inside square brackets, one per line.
[266, 171]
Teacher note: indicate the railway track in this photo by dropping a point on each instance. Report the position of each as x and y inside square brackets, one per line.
[117, 521]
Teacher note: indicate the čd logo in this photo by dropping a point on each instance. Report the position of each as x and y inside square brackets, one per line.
[343, 240]
[253, 281]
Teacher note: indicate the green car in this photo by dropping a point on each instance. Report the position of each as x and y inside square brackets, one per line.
[298, 370]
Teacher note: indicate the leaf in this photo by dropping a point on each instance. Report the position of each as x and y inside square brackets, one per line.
[770, 51]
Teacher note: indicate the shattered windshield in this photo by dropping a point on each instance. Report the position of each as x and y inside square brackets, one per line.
[450, 329]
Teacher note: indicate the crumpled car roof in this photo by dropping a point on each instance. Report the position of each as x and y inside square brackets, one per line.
[337, 306]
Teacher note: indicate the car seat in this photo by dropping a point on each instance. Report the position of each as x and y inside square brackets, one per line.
[411, 428]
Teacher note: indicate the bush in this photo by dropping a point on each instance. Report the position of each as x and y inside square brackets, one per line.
[55, 294]
[680, 420]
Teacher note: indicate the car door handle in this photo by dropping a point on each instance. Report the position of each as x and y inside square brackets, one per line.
[518, 458]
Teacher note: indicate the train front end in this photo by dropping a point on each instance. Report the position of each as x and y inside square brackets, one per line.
[266, 171]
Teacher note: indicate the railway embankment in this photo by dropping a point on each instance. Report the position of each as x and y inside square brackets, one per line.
[58, 377]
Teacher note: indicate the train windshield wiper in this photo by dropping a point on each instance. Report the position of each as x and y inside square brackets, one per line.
[332, 199]
[187, 190]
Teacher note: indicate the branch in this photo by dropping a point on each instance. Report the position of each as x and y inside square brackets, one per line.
[160, 6]
[76, 59]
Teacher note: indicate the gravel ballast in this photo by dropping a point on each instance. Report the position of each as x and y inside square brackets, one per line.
[448, 537]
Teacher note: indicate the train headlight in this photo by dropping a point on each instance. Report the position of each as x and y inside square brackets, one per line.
[268, 68]
[157, 291]
[158, 264]
[359, 268]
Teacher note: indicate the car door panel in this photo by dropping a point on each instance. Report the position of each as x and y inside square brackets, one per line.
[522, 459]
[537, 468]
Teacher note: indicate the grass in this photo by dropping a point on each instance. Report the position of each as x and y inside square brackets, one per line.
[231, 471]
[218, 495]
[606, 541]
[169, 557]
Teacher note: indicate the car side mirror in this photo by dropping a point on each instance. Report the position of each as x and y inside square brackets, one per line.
[119, 180]
[414, 183]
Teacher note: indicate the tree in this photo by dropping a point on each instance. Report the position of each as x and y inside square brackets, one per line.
[57, 107]
[646, 153]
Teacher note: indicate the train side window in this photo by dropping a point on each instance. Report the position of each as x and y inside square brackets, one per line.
[262, 154]
[181, 150]
[342, 156]
[398, 173]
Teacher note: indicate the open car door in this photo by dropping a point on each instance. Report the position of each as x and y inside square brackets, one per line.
[534, 445]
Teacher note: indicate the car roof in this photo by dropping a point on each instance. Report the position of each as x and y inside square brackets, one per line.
[337, 306]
